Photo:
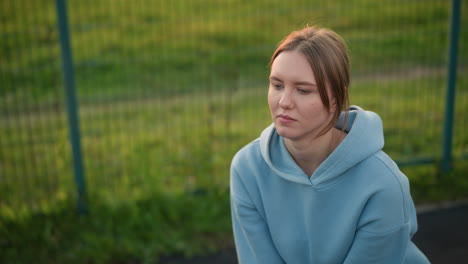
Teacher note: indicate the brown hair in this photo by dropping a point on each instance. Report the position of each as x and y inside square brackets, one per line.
[327, 54]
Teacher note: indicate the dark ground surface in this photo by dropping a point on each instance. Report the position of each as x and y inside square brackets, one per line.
[442, 236]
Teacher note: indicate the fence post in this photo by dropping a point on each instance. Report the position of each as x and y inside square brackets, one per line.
[451, 82]
[71, 104]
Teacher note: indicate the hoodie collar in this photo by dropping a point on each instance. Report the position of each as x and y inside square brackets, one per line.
[365, 137]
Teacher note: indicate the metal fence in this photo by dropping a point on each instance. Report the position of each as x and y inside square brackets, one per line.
[121, 99]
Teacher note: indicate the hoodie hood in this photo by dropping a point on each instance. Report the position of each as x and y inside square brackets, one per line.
[364, 138]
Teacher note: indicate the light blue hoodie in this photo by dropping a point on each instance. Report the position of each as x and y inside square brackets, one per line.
[355, 208]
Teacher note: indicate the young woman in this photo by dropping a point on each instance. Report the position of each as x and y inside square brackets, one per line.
[316, 187]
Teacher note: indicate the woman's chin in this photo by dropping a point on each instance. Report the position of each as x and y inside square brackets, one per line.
[285, 132]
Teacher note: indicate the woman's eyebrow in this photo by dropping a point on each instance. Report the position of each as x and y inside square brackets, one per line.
[274, 78]
[306, 83]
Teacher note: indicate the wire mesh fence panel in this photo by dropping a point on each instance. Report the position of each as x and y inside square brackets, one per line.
[168, 90]
[34, 154]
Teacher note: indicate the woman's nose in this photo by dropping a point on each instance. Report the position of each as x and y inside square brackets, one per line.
[286, 100]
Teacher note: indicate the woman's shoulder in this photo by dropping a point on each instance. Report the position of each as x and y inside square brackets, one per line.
[390, 169]
[381, 168]
[246, 169]
[380, 178]
[249, 152]
[389, 203]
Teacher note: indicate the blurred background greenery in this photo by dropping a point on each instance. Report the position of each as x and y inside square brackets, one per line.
[169, 90]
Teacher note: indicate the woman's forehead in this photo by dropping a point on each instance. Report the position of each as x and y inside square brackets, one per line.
[292, 66]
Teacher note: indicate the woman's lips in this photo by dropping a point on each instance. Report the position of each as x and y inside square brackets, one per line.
[285, 119]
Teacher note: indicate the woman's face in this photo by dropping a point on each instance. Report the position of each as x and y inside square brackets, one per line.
[294, 99]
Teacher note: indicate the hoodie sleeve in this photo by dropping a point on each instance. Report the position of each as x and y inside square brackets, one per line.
[251, 233]
[391, 247]
[388, 247]
[386, 226]
[383, 231]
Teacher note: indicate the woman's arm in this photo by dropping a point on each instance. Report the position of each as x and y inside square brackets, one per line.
[251, 233]
[382, 248]
[391, 247]
[386, 226]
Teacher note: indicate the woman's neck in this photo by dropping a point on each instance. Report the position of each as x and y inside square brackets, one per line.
[310, 153]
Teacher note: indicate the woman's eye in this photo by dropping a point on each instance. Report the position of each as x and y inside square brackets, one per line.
[277, 86]
[303, 91]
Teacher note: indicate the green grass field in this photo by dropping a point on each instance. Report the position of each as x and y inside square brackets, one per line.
[173, 47]
[168, 92]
